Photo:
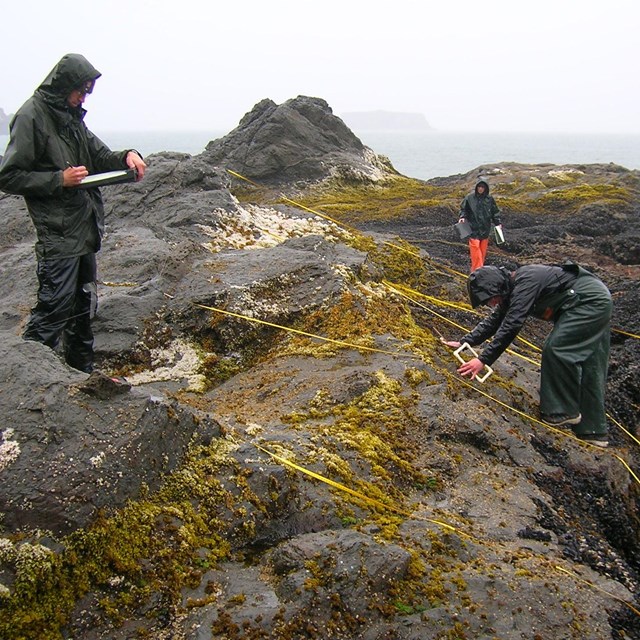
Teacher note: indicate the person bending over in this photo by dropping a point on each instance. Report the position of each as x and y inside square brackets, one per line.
[575, 354]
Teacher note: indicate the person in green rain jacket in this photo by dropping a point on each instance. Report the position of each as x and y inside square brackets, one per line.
[50, 151]
[575, 355]
[480, 210]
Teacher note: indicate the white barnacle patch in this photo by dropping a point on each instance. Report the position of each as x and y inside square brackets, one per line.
[9, 449]
[98, 459]
[254, 227]
[259, 307]
[253, 429]
[565, 174]
[178, 360]
[344, 273]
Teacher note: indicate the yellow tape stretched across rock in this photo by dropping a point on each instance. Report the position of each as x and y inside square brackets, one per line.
[361, 496]
[308, 335]
[549, 427]
[444, 525]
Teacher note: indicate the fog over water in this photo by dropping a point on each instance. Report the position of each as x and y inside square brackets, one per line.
[427, 155]
[497, 66]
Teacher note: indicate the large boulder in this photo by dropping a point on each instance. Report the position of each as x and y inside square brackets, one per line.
[69, 448]
[299, 140]
[471, 508]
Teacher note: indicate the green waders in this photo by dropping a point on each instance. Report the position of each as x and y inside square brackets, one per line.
[575, 357]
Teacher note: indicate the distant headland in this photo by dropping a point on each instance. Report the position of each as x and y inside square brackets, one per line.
[386, 121]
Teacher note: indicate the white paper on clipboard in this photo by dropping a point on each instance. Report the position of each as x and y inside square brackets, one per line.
[109, 177]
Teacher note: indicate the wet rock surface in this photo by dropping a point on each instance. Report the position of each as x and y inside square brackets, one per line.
[192, 505]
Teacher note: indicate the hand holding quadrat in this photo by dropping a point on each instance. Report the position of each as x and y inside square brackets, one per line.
[470, 368]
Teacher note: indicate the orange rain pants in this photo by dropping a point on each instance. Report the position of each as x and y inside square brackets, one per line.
[478, 252]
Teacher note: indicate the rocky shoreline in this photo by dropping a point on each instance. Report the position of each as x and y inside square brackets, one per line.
[296, 457]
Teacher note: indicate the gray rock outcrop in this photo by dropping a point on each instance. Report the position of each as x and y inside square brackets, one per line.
[300, 140]
[331, 479]
[72, 450]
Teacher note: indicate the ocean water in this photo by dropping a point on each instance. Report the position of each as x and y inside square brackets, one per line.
[428, 154]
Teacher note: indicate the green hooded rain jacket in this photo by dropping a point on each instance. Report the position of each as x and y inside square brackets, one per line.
[47, 136]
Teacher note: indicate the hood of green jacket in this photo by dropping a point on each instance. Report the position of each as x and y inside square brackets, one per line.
[71, 72]
[486, 282]
[486, 187]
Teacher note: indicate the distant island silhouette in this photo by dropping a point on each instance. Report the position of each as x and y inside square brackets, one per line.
[386, 121]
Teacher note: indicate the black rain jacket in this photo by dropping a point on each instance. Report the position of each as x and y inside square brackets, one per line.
[46, 136]
[480, 211]
[542, 291]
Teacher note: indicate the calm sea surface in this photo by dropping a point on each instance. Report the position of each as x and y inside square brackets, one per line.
[428, 154]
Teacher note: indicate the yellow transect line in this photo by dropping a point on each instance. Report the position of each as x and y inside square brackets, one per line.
[438, 301]
[237, 175]
[623, 429]
[395, 353]
[309, 335]
[396, 289]
[455, 306]
[322, 215]
[298, 204]
[444, 525]
[576, 577]
[566, 434]
[417, 255]
[435, 313]
[625, 333]
[413, 253]
[361, 496]
[382, 505]
[455, 324]
[510, 351]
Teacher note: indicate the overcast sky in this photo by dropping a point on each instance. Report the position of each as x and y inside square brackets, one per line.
[496, 65]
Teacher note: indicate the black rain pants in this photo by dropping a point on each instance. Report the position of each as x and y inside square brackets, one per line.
[575, 358]
[66, 303]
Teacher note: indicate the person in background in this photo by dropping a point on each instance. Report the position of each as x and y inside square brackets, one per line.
[50, 151]
[575, 354]
[480, 210]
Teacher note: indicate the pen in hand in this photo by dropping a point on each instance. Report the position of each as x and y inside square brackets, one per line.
[72, 176]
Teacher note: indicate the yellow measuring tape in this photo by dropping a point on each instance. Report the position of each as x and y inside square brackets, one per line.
[373, 501]
[395, 246]
[455, 306]
[297, 204]
[395, 353]
[417, 255]
[548, 427]
[625, 333]
[444, 525]
[451, 322]
[342, 343]
[577, 578]
[401, 290]
[361, 496]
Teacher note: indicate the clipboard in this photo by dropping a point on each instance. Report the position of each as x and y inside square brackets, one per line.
[498, 234]
[107, 178]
